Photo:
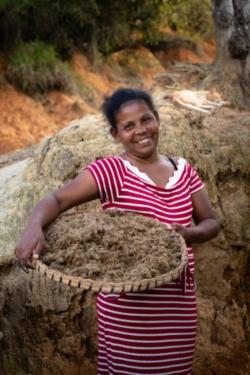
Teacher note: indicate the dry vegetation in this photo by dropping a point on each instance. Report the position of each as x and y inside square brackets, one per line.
[112, 246]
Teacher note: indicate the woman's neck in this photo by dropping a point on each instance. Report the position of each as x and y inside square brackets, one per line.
[154, 158]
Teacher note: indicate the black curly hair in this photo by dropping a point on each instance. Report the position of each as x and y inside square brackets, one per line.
[113, 103]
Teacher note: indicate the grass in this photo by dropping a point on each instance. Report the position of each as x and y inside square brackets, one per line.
[35, 68]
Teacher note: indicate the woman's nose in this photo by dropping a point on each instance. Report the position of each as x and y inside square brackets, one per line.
[140, 129]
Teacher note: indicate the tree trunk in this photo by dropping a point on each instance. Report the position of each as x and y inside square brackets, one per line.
[232, 65]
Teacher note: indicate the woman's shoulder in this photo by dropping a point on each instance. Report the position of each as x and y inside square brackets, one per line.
[106, 159]
[108, 162]
[177, 161]
[177, 158]
[181, 164]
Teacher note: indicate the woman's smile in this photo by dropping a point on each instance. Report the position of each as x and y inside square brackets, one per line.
[144, 140]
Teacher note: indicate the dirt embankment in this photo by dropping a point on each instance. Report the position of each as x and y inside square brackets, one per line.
[49, 329]
[26, 121]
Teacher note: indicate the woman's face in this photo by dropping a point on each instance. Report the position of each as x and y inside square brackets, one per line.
[137, 129]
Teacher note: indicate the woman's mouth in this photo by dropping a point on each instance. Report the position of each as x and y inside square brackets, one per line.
[143, 141]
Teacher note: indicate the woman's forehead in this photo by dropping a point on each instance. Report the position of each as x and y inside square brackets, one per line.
[133, 107]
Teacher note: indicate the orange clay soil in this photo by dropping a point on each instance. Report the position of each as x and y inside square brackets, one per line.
[111, 246]
[26, 121]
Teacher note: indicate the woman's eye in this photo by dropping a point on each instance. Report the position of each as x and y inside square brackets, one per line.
[147, 119]
[128, 126]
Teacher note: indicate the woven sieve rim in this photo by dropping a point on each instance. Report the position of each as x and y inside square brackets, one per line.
[113, 287]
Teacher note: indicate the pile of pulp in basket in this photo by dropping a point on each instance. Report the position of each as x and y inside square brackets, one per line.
[111, 246]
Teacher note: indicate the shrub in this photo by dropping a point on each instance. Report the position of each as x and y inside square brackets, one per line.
[100, 26]
[35, 68]
[191, 18]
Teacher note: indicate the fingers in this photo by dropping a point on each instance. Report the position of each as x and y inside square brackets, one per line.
[28, 253]
[36, 254]
[38, 249]
[177, 226]
[181, 229]
[23, 256]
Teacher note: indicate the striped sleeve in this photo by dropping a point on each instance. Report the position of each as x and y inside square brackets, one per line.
[195, 182]
[108, 177]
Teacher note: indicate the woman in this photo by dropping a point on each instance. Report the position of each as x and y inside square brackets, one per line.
[151, 332]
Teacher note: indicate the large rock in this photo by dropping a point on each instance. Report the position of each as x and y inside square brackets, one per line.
[50, 329]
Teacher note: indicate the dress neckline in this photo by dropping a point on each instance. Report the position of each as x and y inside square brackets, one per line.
[144, 176]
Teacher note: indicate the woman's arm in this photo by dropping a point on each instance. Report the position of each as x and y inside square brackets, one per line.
[81, 189]
[206, 227]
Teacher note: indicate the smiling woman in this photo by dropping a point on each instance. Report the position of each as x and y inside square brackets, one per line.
[150, 332]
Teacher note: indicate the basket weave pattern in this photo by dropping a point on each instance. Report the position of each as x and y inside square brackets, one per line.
[113, 287]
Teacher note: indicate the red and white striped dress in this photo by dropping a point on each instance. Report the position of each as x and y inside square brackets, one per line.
[151, 332]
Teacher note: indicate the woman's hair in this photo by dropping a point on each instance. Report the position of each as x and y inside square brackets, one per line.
[121, 96]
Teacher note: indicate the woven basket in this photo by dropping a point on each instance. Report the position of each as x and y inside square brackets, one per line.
[113, 287]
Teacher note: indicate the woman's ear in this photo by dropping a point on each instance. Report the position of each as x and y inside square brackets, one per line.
[113, 132]
[157, 116]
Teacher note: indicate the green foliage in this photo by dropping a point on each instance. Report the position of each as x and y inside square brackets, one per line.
[121, 23]
[98, 25]
[190, 18]
[35, 68]
[93, 26]
[5, 3]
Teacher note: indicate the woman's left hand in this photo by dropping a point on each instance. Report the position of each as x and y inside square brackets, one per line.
[205, 225]
[184, 231]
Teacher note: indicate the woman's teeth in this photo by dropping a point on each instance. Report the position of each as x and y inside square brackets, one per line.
[143, 140]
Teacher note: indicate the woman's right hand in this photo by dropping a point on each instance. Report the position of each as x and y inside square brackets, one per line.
[30, 244]
[81, 189]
